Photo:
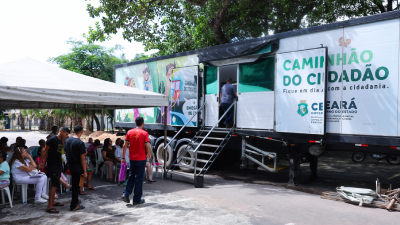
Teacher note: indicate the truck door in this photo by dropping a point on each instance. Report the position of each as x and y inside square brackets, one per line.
[300, 88]
[211, 95]
[255, 108]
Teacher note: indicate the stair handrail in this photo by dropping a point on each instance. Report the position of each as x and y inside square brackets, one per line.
[227, 137]
[198, 146]
[169, 142]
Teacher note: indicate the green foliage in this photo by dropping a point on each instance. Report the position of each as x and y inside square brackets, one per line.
[139, 57]
[172, 26]
[2, 117]
[90, 59]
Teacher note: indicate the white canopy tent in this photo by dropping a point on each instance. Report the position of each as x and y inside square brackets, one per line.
[29, 84]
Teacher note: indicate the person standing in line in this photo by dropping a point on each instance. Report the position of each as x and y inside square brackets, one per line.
[52, 155]
[227, 95]
[76, 159]
[139, 146]
[53, 133]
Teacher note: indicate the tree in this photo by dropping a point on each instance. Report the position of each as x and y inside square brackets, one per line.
[91, 60]
[29, 114]
[139, 57]
[21, 121]
[41, 114]
[180, 25]
[386, 6]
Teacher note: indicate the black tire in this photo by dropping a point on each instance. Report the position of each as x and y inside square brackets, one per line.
[358, 157]
[160, 155]
[393, 160]
[188, 155]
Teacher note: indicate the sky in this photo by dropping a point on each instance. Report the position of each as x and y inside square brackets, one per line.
[38, 29]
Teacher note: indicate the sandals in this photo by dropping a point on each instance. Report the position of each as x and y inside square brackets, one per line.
[91, 189]
[52, 210]
[55, 196]
[79, 208]
[82, 193]
[58, 204]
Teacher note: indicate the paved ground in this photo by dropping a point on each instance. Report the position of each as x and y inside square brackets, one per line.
[32, 138]
[230, 196]
[220, 202]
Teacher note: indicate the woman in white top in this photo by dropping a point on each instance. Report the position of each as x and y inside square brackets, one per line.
[119, 143]
[21, 163]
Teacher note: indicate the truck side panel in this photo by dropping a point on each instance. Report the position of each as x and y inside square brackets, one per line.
[363, 82]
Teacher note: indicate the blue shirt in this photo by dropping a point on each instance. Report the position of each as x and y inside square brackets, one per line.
[6, 169]
[34, 152]
[228, 93]
[145, 83]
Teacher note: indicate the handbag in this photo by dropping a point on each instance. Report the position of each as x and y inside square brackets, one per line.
[33, 172]
[122, 172]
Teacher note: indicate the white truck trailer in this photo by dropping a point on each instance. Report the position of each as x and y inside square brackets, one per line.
[333, 87]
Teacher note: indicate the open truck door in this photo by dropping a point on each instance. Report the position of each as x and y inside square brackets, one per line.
[211, 81]
[255, 108]
[300, 88]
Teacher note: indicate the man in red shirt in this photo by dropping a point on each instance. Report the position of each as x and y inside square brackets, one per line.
[138, 151]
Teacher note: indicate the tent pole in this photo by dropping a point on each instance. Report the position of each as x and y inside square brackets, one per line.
[75, 116]
[165, 140]
[102, 120]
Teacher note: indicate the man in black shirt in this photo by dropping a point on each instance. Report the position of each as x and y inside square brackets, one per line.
[75, 151]
[52, 155]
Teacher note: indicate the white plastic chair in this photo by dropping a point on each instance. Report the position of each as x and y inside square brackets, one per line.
[68, 181]
[7, 190]
[66, 176]
[154, 165]
[48, 186]
[117, 171]
[24, 192]
[99, 158]
[104, 170]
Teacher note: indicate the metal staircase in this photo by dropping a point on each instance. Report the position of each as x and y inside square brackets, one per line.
[219, 136]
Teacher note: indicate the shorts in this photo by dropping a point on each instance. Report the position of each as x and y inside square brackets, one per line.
[54, 173]
[4, 183]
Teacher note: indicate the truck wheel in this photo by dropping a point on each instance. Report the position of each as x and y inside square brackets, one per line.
[393, 160]
[160, 155]
[358, 157]
[188, 155]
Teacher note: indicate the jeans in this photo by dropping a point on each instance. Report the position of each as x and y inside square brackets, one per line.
[229, 115]
[75, 178]
[136, 176]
